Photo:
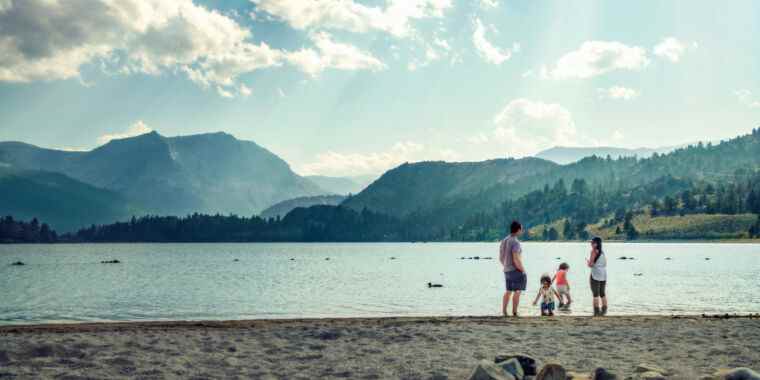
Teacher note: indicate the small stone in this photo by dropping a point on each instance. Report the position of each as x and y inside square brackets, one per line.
[740, 373]
[513, 367]
[41, 351]
[552, 372]
[489, 371]
[602, 374]
[328, 335]
[529, 364]
[577, 376]
[644, 367]
[651, 375]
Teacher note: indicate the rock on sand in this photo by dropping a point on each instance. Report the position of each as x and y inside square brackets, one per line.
[489, 371]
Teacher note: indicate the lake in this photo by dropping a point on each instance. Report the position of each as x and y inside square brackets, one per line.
[67, 282]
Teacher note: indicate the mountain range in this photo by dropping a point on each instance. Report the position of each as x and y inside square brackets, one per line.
[215, 173]
[341, 185]
[207, 173]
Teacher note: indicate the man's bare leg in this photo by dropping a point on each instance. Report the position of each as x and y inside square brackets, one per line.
[515, 302]
[505, 303]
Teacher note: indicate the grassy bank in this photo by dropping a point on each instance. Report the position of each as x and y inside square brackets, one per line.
[686, 227]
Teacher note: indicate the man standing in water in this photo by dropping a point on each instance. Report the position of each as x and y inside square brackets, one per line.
[510, 256]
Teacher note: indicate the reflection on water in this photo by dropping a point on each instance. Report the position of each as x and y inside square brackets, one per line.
[203, 281]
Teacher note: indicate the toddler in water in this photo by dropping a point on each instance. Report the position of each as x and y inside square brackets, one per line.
[546, 293]
[563, 287]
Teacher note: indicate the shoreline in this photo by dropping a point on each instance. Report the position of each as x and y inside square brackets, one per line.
[637, 241]
[106, 325]
[375, 348]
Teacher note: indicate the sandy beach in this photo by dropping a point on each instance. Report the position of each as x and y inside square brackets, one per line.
[379, 348]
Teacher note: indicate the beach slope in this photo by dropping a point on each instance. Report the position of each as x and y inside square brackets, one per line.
[374, 348]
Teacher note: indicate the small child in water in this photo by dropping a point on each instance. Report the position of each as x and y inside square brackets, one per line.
[563, 287]
[546, 293]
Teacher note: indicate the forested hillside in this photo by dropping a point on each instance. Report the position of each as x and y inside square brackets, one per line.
[436, 197]
[280, 209]
[65, 203]
[426, 186]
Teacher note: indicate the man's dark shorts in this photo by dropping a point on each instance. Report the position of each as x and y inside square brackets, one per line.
[516, 280]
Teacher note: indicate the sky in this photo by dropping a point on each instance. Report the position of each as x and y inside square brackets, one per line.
[353, 87]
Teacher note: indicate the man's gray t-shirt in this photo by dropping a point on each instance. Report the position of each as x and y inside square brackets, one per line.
[508, 248]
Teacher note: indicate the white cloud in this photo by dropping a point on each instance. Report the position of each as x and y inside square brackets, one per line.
[745, 97]
[47, 40]
[340, 164]
[349, 15]
[489, 4]
[524, 127]
[244, 90]
[479, 138]
[224, 93]
[617, 135]
[432, 53]
[136, 129]
[618, 93]
[486, 50]
[441, 43]
[672, 49]
[53, 40]
[596, 58]
[331, 54]
[344, 164]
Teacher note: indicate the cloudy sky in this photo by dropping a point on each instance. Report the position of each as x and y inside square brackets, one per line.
[348, 87]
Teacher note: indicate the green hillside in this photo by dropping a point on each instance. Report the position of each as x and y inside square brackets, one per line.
[446, 195]
[65, 203]
[283, 208]
[425, 186]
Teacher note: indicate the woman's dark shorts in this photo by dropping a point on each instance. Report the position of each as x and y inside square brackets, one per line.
[515, 280]
[597, 287]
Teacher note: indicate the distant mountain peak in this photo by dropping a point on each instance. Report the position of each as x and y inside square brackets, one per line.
[209, 172]
[568, 154]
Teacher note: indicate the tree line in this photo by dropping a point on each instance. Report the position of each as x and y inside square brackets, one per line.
[564, 210]
[18, 231]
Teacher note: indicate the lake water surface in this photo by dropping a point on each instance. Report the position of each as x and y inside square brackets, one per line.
[68, 283]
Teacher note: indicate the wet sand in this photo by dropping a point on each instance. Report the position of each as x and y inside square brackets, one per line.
[373, 348]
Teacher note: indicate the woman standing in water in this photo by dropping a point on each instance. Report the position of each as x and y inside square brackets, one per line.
[598, 264]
